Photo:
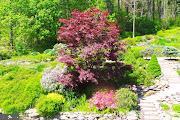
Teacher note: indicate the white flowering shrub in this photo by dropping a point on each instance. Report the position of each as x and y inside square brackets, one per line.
[49, 81]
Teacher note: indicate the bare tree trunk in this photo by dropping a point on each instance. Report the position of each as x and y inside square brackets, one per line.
[134, 17]
[177, 10]
[159, 8]
[153, 9]
[119, 8]
[164, 8]
[11, 35]
[110, 6]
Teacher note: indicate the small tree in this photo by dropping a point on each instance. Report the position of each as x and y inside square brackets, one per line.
[170, 52]
[91, 40]
[153, 67]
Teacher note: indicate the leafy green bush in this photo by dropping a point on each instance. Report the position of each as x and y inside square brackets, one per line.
[165, 107]
[126, 99]
[19, 88]
[50, 105]
[161, 41]
[176, 108]
[178, 71]
[154, 67]
[139, 75]
[132, 54]
[147, 52]
[170, 52]
[5, 54]
[143, 25]
[49, 51]
[21, 49]
[82, 104]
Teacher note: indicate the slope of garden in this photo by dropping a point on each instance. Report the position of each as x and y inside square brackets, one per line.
[89, 71]
[20, 78]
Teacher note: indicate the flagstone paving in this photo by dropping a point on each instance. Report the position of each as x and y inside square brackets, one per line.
[150, 106]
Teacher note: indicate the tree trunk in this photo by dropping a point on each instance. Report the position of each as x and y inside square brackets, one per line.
[110, 6]
[134, 17]
[11, 35]
[153, 9]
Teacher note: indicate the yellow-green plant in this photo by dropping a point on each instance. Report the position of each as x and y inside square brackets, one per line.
[50, 105]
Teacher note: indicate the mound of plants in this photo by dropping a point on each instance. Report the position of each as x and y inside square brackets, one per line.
[89, 51]
[50, 105]
[176, 108]
[5, 54]
[19, 88]
[139, 74]
[121, 100]
[126, 99]
[171, 52]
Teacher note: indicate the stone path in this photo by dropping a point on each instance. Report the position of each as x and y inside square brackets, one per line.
[150, 106]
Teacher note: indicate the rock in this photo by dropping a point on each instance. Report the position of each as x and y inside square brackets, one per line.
[149, 93]
[31, 114]
[132, 116]
[63, 117]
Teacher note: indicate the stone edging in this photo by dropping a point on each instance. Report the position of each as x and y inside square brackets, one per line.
[32, 114]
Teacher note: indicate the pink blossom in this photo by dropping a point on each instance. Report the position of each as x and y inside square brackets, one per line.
[104, 100]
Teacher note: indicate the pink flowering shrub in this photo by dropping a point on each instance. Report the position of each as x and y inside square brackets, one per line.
[103, 100]
[91, 40]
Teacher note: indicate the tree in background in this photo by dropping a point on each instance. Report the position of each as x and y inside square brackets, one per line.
[32, 24]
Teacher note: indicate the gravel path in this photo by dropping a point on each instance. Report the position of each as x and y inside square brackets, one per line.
[150, 105]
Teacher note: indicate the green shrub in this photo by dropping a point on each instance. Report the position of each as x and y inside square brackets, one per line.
[176, 108]
[143, 25]
[21, 49]
[50, 105]
[132, 54]
[178, 71]
[147, 52]
[19, 88]
[130, 41]
[82, 104]
[170, 52]
[50, 52]
[126, 99]
[5, 54]
[165, 107]
[154, 67]
[139, 75]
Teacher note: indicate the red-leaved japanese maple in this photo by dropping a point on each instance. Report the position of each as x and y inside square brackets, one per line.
[91, 40]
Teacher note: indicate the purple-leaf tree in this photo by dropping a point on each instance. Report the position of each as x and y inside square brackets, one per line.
[91, 40]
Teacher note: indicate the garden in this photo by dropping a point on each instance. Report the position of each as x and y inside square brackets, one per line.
[92, 69]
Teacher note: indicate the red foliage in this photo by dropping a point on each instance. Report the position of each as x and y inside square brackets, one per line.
[68, 60]
[91, 39]
[67, 80]
[86, 75]
[103, 100]
[86, 28]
